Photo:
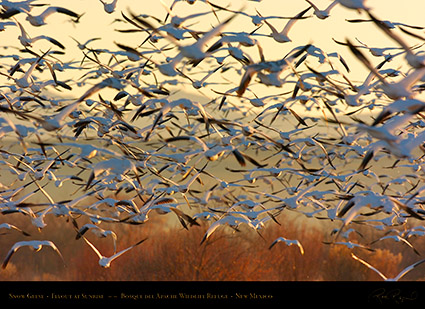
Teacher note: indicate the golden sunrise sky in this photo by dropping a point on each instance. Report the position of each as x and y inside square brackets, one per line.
[96, 23]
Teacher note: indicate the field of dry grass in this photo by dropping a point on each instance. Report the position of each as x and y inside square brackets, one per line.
[173, 253]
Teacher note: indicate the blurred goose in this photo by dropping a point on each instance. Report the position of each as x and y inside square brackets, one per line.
[323, 14]
[354, 4]
[104, 261]
[12, 227]
[288, 242]
[193, 51]
[26, 41]
[36, 245]
[283, 36]
[109, 7]
[415, 60]
[396, 278]
[40, 20]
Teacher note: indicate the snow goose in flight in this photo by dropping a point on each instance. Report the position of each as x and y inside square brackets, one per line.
[256, 101]
[184, 104]
[25, 80]
[5, 24]
[87, 151]
[189, 2]
[198, 84]
[213, 153]
[374, 201]
[257, 19]
[380, 51]
[27, 41]
[193, 51]
[231, 220]
[396, 278]
[323, 14]
[399, 147]
[36, 245]
[228, 37]
[98, 231]
[117, 166]
[349, 245]
[109, 7]
[295, 201]
[288, 242]
[399, 106]
[394, 90]
[176, 21]
[388, 130]
[49, 123]
[387, 23]
[12, 227]
[273, 67]
[40, 20]
[414, 60]
[37, 20]
[9, 206]
[24, 5]
[84, 46]
[396, 238]
[184, 188]
[354, 4]
[282, 36]
[104, 261]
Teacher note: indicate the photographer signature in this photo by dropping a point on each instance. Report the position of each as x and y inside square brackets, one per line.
[396, 296]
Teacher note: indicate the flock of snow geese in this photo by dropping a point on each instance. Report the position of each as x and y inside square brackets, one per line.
[314, 142]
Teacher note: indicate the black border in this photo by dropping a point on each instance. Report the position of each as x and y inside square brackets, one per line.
[17, 293]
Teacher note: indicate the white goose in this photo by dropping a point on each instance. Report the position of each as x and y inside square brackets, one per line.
[283, 36]
[104, 261]
[396, 278]
[323, 14]
[40, 20]
[36, 245]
